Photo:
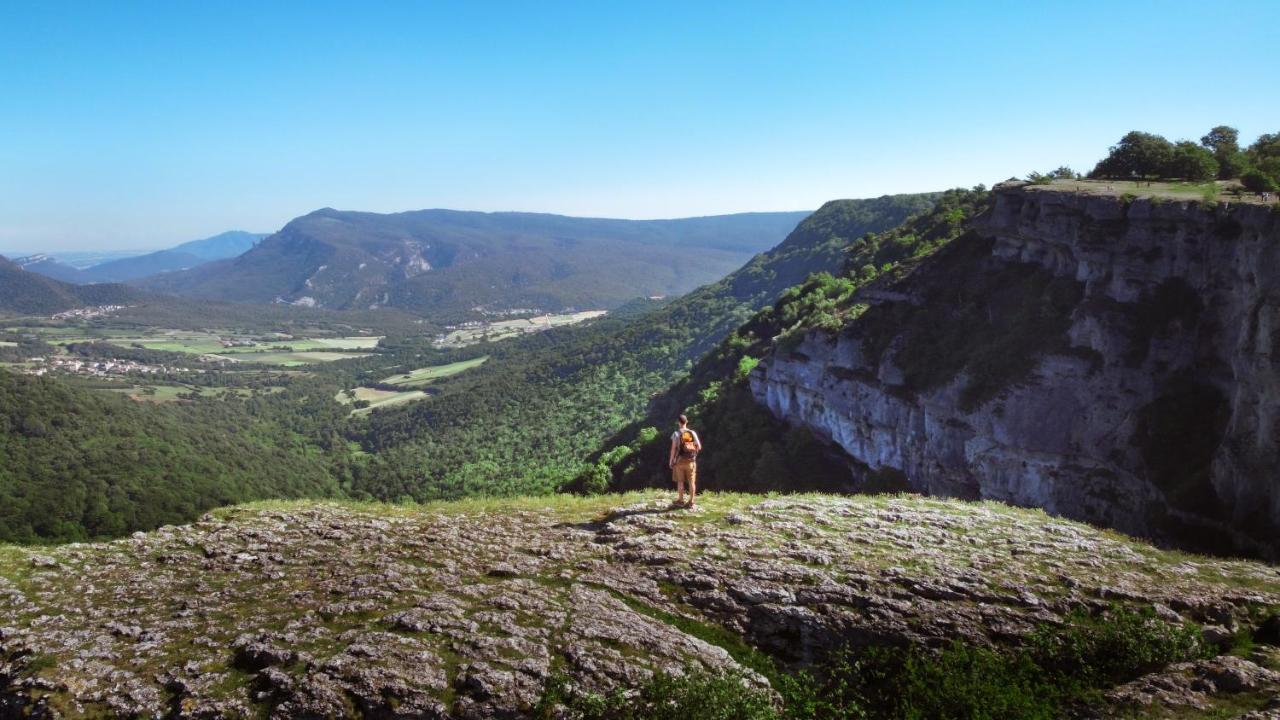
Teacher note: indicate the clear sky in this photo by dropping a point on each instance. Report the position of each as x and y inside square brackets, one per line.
[144, 124]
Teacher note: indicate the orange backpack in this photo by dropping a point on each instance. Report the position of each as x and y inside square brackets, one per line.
[688, 445]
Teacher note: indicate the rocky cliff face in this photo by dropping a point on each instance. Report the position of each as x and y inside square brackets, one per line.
[471, 610]
[1148, 396]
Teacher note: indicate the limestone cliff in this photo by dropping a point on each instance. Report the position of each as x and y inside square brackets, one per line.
[1112, 360]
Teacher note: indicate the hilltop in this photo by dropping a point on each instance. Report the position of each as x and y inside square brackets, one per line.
[473, 609]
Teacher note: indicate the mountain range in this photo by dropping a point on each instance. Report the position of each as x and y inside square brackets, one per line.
[451, 262]
[187, 255]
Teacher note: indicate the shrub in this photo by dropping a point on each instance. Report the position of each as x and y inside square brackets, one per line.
[1114, 648]
[698, 695]
[1257, 181]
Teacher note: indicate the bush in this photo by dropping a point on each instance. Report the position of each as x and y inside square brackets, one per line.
[698, 695]
[594, 480]
[1060, 667]
[1257, 181]
[1115, 648]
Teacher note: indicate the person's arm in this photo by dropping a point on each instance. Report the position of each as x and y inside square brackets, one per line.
[697, 441]
[675, 446]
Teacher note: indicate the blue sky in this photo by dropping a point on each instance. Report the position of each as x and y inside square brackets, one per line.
[139, 124]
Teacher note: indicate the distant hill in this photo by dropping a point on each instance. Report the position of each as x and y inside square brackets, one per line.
[50, 267]
[184, 256]
[26, 292]
[224, 245]
[448, 261]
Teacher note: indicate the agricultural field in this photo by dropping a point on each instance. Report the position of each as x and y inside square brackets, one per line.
[427, 375]
[413, 383]
[377, 398]
[263, 348]
[286, 358]
[502, 329]
[170, 393]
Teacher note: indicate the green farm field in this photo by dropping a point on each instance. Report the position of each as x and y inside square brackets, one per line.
[378, 398]
[504, 329]
[170, 393]
[424, 376]
[287, 359]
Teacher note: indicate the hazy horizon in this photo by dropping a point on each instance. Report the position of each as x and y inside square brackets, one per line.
[152, 124]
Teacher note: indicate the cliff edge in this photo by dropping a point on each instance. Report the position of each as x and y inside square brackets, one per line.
[1108, 359]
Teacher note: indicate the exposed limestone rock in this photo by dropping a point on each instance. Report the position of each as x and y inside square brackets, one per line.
[1173, 344]
[325, 610]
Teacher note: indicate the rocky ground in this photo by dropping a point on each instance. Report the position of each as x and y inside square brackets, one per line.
[467, 610]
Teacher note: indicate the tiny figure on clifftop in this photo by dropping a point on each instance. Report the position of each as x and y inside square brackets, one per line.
[683, 461]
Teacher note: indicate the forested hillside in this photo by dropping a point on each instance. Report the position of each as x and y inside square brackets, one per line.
[77, 464]
[525, 421]
[746, 447]
[23, 292]
[447, 263]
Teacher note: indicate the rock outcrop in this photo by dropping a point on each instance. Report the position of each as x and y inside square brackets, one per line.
[1151, 404]
[469, 611]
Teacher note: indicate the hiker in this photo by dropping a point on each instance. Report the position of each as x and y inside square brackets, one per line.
[683, 461]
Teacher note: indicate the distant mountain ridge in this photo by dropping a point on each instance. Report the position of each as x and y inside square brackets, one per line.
[181, 257]
[452, 261]
[24, 292]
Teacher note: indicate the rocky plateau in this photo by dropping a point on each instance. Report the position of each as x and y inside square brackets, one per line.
[469, 610]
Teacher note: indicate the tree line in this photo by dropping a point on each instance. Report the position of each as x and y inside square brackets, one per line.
[1218, 156]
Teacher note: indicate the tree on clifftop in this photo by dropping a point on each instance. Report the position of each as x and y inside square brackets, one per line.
[1190, 162]
[1224, 142]
[1138, 154]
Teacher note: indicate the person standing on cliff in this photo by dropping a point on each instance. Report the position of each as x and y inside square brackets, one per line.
[683, 461]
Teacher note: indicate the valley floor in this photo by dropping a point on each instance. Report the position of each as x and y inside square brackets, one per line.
[470, 609]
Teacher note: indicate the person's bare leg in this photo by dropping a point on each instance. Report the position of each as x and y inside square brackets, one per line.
[693, 487]
[679, 485]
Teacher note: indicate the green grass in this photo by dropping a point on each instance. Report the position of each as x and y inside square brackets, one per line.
[170, 393]
[503, 329]
[205, 343]
[289, 359]
[424, 376]
[378, 398]
[1174, 190]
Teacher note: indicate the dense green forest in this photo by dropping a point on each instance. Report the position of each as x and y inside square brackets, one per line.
[525, 421]
[77, 464]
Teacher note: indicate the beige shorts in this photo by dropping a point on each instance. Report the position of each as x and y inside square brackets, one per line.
[685, 471]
